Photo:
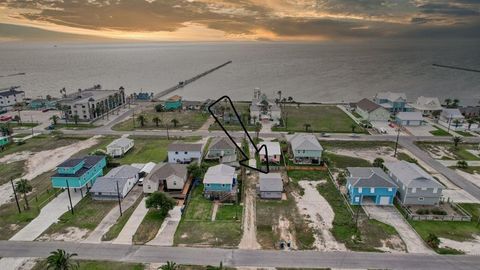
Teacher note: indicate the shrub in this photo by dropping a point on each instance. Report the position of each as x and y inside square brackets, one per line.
[423, 212]
[438, 211]
[433, 241]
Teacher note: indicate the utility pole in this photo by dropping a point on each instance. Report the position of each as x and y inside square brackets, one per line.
[133, 117]
[356, 217]
[119, 201]
[69, 197]
[396, 142]
[168, 136]
[449, 123]
[16, 198]
[31, 120]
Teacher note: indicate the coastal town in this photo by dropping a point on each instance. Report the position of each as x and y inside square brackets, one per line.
[101, 171]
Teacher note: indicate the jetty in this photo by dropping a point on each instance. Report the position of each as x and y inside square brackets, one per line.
[188, 81]
[458, 68]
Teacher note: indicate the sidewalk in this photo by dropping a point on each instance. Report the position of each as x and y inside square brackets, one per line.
[125, 236]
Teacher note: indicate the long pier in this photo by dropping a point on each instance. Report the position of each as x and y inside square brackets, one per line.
[186, 82]
[458, 68]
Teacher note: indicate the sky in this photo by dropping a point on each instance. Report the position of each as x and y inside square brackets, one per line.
[238, 20]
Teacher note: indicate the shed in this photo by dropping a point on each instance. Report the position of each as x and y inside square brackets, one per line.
[270, 186]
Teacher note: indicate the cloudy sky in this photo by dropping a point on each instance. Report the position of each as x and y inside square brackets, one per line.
[207, 20]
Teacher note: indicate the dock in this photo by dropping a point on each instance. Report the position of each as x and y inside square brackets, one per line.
[458, 68]
[188, 81]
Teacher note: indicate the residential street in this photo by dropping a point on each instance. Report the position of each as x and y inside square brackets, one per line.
[237, 257]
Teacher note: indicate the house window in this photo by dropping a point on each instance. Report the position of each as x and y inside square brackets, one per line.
[424, 188]
[357, 199]
[359, 190]
[223, 185]
[174, 183]
[421, 199]
[149, 187]
[414, 190]
[186, 153]
[207, 185]
[435, 190]
[176, 153]
[372, 190]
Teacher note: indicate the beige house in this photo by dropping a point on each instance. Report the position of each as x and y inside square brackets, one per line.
[165, 177]
[371, 111]
[427, 105]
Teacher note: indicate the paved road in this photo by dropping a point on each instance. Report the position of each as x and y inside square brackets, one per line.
[236, 257]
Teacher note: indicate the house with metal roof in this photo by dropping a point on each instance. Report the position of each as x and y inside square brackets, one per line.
[409, 119]
[415, 186]
[116, 183]
[270, 186]
[79, 172]
[220, 182]
[120, 147]
[427, 105]
[273, 150]
[165, 177]
[305, 149]
[393, 102]
[184, 153]
[370, 185]
[371, 111]
[220, 147]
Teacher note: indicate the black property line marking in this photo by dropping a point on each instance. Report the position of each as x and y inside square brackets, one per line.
[257, 149]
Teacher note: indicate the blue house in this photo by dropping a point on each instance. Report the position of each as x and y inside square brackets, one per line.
[393, 102]
[3, 140]
[220, 182]
[173, 103]
[370, 185]
[79, 172]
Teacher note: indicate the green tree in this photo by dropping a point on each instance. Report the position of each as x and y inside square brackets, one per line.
[54, 119]
[23, 186]
[307, 126]
[470, 122]
[17, 119]
[456, 141]
[455, 103]
[156, 120]
[326, 161]
[169, 266]
[160, 201]
[447, 102]
[378, 162]
[195, 170]
[142, 120]
[159, 108]
[61, 260]
[433, 241]
[353, 127]
[462, 164]
[76, 118]
[258, 127]
[175, 122]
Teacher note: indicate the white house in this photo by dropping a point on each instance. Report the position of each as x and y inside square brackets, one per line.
[452, 118]
[371, 111]
[105, 188]
[409, 118]
[9, 97]
[166, 176]
[119, 147]
[427, 105]
[273, 150]
[264, 109]
[184, 153]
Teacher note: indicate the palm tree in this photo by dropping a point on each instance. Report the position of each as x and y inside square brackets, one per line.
[462, 164]
[448, 101]
[61, 260]
[175, 122]
[54, 119]
[258, 127]
[378, 162]
[279, 93]
[142, 119]
[456, 123]
[24, 187]
[456, 140]
[17, 119]
[76, 118]
[169, 266]
[254, 119]
[470, 122]
[353, 127]
[290, 99]
[455, 103]
[156, 120]
[307, 126]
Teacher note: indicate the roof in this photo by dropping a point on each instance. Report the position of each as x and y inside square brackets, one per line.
[369, 177]
[165, 170]
[411, 175]
[411, 116]
[392, 96]
[273, 148]
[452, 113]
[175, 146]
[90, 161]
[121, 142]
[9, 92]
[108, 184]
[305, 142]
[470, 109]
[220, 143]
[72, 162]
[428, 103]
[87, 95]
[147, 168]
[271, 182]
[229, 159]
[192, 103]
[174, 98]
[124, 171]
[368, 105]
[219, 174]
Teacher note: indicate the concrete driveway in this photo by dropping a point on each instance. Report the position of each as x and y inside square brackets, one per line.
[169, 227]
[390, 216]
[130, 228]
[423, 130]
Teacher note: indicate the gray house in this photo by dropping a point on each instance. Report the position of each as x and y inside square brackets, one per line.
[166, 177]
[221, 147]
[415, 186]
[105, 188]
[305, 149]
[271, 186]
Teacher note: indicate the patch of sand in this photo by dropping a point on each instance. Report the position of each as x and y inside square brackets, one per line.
[284, 230]
[393, 245]
[15, 157]
[319, 216]
[369, 154]
[439, 151]
[469, 247]
[71, 234]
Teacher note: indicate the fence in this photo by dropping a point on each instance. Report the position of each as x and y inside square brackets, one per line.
[464, 215]
[345, 199]
[306, 168]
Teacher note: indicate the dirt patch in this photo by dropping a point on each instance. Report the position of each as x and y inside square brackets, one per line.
[469, 247]
[15, 157]
[249, 238]
[393, 245]
[70, 234]
[369, 154]
[284, 230]
[440, 151]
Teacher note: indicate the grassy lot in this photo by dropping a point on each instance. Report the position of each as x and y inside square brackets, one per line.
[22, 124]
[307, 175]
[149, 227]
[196, 227]
[72, 126]
[115, 230]
[321, 119]
[406, 157]
[146, 150]
[370, 232]
[97, 265]
[459, 153]
[356, 144]
[11, 221]
[439, 132]
[87, 215]
[342, 162]
[465, 133]
[11, 171]
[190, 120]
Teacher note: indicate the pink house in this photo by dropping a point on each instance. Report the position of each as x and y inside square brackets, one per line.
[274, 152]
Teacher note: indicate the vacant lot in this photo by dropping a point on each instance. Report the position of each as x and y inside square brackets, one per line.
[447, 151]
[196, 227]
[439, 132]
[149, 227]
[97, 265]
[189, 120]
[320, 118]
[11, 171]
[146, 150]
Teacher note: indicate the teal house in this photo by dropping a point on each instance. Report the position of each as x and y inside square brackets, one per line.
[79, 172]
[220, 182]
[370, 186]
[173, 103]
[305, 149]
[3, 141]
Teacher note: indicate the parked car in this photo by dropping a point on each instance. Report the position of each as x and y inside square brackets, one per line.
[6, 118]
[140, 181]
[355, 135]
[383, 130]
[323, 134]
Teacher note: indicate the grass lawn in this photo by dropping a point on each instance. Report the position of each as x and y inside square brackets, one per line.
[459, 153]
[464, 133]
[96, 265]
[22, 124]
[73, 126]
[115, 230]
[87, 215]
[149, 227]
[439, 132]
[342, 162]
[11, 171]
[307, 175]
[146, 150]
[356, 144]
[196, 227]
[322, 118]
[189, 120]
